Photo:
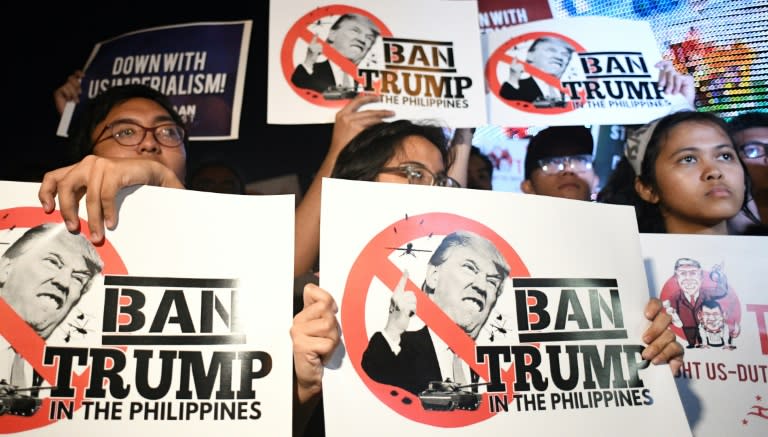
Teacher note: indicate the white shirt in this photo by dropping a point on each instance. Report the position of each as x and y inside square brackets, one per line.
[7, 354]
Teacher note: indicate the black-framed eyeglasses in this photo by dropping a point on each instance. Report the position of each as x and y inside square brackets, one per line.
[130, 134]
[574, 163]
[418, 174]
[753, 150]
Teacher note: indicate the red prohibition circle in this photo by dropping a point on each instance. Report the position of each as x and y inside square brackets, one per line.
[28, 341]
[372, 263]
[300, 31]
[501, 56]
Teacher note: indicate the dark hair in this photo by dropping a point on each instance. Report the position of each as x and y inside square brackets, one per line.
[98, 108]
[475, 151]
[620, 188]
[557, 141]
[194, 184]
[369, 151]
[747, 120]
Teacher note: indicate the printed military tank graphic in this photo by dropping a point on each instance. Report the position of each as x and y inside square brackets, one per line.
[13, 402]
[449, 396]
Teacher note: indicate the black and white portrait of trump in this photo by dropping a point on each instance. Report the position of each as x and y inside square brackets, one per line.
[43, 275]
[352, 36]
[464, 278]
[545, 62]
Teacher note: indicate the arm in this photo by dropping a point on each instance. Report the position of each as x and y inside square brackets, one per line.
[662, 342]
[461, 144]
[99, 179]
[69, 91]
[315, 334]
[349, 122]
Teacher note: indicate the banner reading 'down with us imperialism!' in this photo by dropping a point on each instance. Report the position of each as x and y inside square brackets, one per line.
[177, 324]
[199, 66]
[572, 71]
[423, 59]
[459, 318]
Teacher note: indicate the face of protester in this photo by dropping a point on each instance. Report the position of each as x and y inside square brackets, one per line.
[46, 281]
[478, 175]
[568, 184]
[353, 38]
[465, 286]
[216, 179]
[757, 167]
[550, 56]
[142, 112]
[700, 180]
[689, 279]
[414, 149]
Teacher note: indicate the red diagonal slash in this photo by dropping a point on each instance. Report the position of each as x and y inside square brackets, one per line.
[533, 71]
[337, 58]
[431, 314]
[373, 263]
[25, 340]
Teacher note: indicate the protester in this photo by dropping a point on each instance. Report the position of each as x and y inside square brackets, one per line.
[750, 134]
[559, 163]
[123, 156]
[683, 176]
[479, 171]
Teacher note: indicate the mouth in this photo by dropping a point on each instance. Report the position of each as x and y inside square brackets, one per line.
[51, 301]
[477, 301]
[569, 185]
[720, 192]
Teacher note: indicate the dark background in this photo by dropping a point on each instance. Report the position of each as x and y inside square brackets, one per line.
[45, 44]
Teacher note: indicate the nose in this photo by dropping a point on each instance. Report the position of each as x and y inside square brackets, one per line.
[149, 144]
[712, 172]
[63, 279]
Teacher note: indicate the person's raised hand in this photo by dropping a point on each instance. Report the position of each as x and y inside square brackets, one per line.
[351, 120]
[673, 82]
[69, 91]
[99, 180]
[662, 342]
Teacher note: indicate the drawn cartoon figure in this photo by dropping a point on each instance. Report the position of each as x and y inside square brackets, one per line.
[713, 330]
[683, 297]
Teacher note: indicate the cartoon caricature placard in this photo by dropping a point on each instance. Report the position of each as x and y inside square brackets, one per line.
[714, 288]
[423, 58]
[573, 71]
[166, 327]
[468, 311]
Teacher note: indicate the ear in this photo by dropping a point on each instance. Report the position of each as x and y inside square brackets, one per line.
[5, 270]
[645, 192]
[527, 187]
[432, 275]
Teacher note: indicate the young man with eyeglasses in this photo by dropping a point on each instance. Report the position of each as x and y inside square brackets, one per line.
[750, 135]
[128, 135]
[131, 135]
[559, 163]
